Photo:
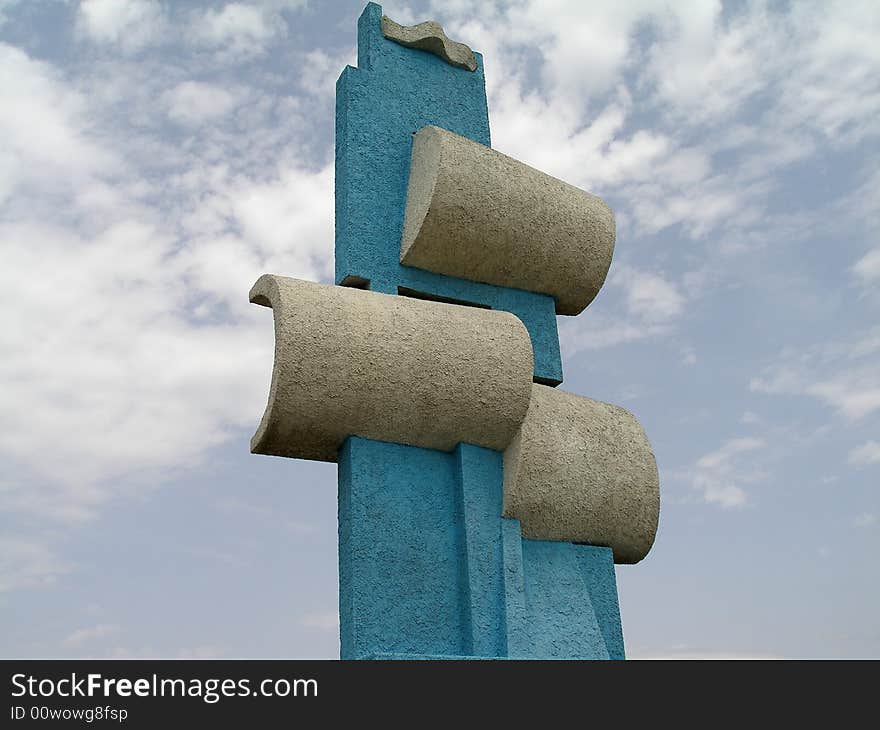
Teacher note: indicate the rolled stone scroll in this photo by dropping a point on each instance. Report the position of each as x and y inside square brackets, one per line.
[476, 214]
[580, 470]
[390, 368]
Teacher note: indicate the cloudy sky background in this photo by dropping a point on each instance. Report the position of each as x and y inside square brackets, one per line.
[156, 157]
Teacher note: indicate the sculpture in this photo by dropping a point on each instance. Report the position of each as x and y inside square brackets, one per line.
[481, 510]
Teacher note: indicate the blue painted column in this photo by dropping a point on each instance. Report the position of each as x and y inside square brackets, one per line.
[428, 567]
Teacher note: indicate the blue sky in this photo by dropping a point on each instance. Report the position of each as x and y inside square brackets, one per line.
[157, 157]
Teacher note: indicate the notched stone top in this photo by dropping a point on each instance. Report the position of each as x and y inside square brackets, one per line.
[429, 36]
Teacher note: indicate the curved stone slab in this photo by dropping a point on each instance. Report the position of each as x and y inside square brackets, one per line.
[583, 471]
[350, 362]
[476, 214]
[429, 36]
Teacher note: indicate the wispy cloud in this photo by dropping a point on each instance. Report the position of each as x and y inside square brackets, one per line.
[867, 453]
[867, 268]
[239, 29]
[843, 375]
[720, 476]
[193, 103]
[135, 350]
[88, 635]
[127, 26]
[646, 306]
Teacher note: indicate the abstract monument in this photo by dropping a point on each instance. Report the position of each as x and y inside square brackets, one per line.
[481, 509]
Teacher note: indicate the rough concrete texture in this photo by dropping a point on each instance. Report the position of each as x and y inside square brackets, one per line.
[419, 551]
[429, 36]
[390, 368]
[561, 609]
[380, 105]
[583, 471]
[474, 213]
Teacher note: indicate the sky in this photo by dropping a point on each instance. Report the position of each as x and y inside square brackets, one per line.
[157, 157]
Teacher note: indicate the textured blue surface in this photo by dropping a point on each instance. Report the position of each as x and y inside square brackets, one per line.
[428, 568]
[401, 542]
[394, 92]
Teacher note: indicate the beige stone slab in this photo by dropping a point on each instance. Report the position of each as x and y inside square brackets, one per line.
[580, 470]
[474, 213]
[390, 368]
[429, 36]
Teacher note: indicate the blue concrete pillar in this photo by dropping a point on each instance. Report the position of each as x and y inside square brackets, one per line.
[429, 568]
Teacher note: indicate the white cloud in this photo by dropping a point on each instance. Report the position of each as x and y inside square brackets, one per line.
[572, 36]
[650, 305]
[193, 103]
[113, 369]
[855, 394]
[128, 24]
[867, 268]
[701, 65]
[234, 23]
[238, 28]
[124, 318]
[842, 375]
[722, 456]
[596, 331]
[290, 220]
[320, 71]
[650, 297]
[45, 127]
[719, 477]
[89, 635]
[867, 453]
[725, 494]
[108, 367]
